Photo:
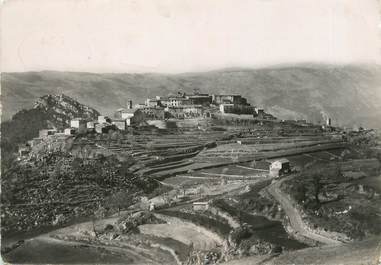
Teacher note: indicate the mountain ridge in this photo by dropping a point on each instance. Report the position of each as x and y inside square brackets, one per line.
[350, 94]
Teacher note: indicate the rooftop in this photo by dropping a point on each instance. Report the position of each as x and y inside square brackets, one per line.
[281, 160]
[199, 96]
[200, 203]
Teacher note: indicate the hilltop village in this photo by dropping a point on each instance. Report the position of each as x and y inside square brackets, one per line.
[155, 111]
[162, 112]
[190, 179]
[181, 110]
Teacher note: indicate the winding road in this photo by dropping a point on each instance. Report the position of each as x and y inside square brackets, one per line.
[294, 215]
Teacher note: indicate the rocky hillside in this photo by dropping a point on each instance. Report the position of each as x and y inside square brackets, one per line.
[60, 109]
[50, 111]
[350, 95]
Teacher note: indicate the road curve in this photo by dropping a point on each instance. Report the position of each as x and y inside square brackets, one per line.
[294, 215]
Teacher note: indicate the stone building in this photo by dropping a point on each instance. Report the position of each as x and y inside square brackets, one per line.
[69, 131]
[228, 99]
[34, 142]
[23, 150]
[104, 127]
[120, 124]
[46, 132]
[279, 167]
[79, 124]
[200, 99]
[90, 125]
[200, 206]
[104, 119]
[237, 109]
[153, 103]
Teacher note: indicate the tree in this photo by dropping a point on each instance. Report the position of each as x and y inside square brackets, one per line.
[118, 200]
[98, 214]
[301, 193]
[317, 188]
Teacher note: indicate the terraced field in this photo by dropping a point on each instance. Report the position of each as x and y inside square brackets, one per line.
[205, 166]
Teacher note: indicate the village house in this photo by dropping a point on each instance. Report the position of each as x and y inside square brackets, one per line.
[301, 121]
[69, 131]
[119, 123]
[104, 127]
[177, 100]
[156, 113]
[259, 112]
[46, 132]
[228, 99]
[193, 110]
[126, 113]
[79, 124]
[279, 167]
[200, 206]
[23, 150]
[140, 106]
[237, 109]
[200, 99]
[90, 125]
[104, 119]
[185, 111]
[153, 103]
[133, 116]
[34, 142]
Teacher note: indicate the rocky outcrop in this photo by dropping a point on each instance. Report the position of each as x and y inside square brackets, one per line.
[50, 111]
[60, 109]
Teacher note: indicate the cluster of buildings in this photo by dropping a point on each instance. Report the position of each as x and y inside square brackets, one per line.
[177, 106]
[184, 106]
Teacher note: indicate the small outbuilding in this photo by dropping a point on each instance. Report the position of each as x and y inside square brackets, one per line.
[90, 125]
[200, 206]
[23, 150]
[69, 131]
[279, 167]
[46, 132]
[34, 142]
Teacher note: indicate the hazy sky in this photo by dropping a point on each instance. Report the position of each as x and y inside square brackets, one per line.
[185, 35]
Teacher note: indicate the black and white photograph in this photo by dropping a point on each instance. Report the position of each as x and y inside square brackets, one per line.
[190, 132]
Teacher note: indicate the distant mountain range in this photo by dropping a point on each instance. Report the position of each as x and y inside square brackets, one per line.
[350, 95]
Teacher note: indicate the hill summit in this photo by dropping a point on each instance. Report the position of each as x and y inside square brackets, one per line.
[49, 111]
[60, 109]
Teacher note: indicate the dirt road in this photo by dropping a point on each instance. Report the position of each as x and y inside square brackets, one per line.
[294, 215]
[365, 252]
[47, 249]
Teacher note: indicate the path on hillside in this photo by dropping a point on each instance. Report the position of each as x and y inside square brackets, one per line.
[45, 249]
[294, 215]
